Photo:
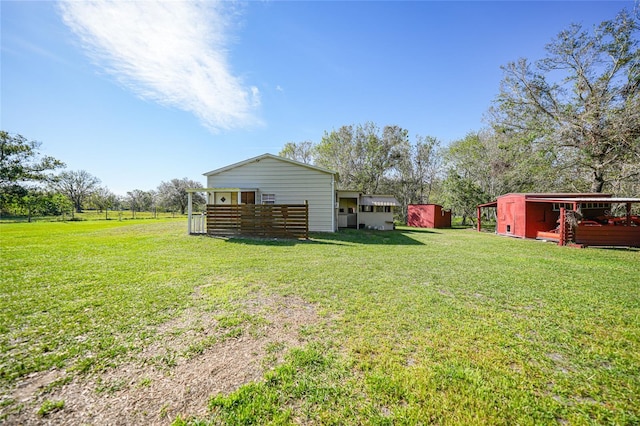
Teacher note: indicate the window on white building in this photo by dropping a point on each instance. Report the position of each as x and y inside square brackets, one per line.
[268, 198]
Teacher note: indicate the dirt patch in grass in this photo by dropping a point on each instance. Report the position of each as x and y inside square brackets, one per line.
[194, 358]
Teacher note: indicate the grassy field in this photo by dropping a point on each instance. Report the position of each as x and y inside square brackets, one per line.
[417, 326]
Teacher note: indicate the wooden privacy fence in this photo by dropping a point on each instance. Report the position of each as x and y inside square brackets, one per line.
[259, 220]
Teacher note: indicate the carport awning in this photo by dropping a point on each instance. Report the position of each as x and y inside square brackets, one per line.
[492, 204]
[378, 200]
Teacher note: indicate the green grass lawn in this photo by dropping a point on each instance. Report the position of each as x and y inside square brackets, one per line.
[423, 326]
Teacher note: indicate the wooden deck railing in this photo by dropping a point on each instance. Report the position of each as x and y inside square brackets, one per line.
[259, 220]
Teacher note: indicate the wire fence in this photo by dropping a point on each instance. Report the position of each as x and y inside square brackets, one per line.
[95, 215]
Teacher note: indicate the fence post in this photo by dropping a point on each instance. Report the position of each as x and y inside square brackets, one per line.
[563, 227]
[306, 219]
[190, 211]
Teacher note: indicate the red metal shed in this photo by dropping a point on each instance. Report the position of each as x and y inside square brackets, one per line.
[428, 216]
[539, 216]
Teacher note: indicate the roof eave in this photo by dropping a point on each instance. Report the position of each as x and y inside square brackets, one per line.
[267, 155]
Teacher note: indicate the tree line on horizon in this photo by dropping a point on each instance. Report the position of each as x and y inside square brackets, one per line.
[569, 122]
[30, 187]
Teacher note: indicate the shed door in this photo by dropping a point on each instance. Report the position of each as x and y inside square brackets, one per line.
[510, 218]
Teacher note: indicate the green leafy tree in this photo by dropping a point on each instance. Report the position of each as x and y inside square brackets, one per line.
[415, 172]
[470, 179]
[22, 166]
[378, 154]
[361, 154]
[59, 204]
[77, 185]
[500, 164]
[173, 194]
[103, 200]
[141, 201]
[462, 195]
[31, 203]
[581, 102]
[303, 152]
[335, 152]
[42, 203]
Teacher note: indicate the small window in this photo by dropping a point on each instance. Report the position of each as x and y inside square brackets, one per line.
[366, 209]
[589, 206]
[268, 198]
[383, 209]
[566, 206]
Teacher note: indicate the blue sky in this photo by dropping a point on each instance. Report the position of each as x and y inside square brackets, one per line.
[137, 93]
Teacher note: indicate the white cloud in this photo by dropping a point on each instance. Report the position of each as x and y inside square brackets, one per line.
[171, 52]
[255, 95]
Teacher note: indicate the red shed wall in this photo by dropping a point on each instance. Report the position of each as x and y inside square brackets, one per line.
[417, 216]
[428, 216]
[540, 217]
[442, 218]
[511, 215]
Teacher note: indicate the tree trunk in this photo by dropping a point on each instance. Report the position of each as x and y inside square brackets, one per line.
[598, 181]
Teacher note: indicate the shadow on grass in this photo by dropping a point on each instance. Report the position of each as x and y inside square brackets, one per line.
[407, 229]
[342, 237]
[419, 231]
[617, 248]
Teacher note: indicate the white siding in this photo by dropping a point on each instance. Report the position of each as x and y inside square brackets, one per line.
[291, 184]
[380, 221]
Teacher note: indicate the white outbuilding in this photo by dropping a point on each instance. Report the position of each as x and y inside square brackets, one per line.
[272, 180]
